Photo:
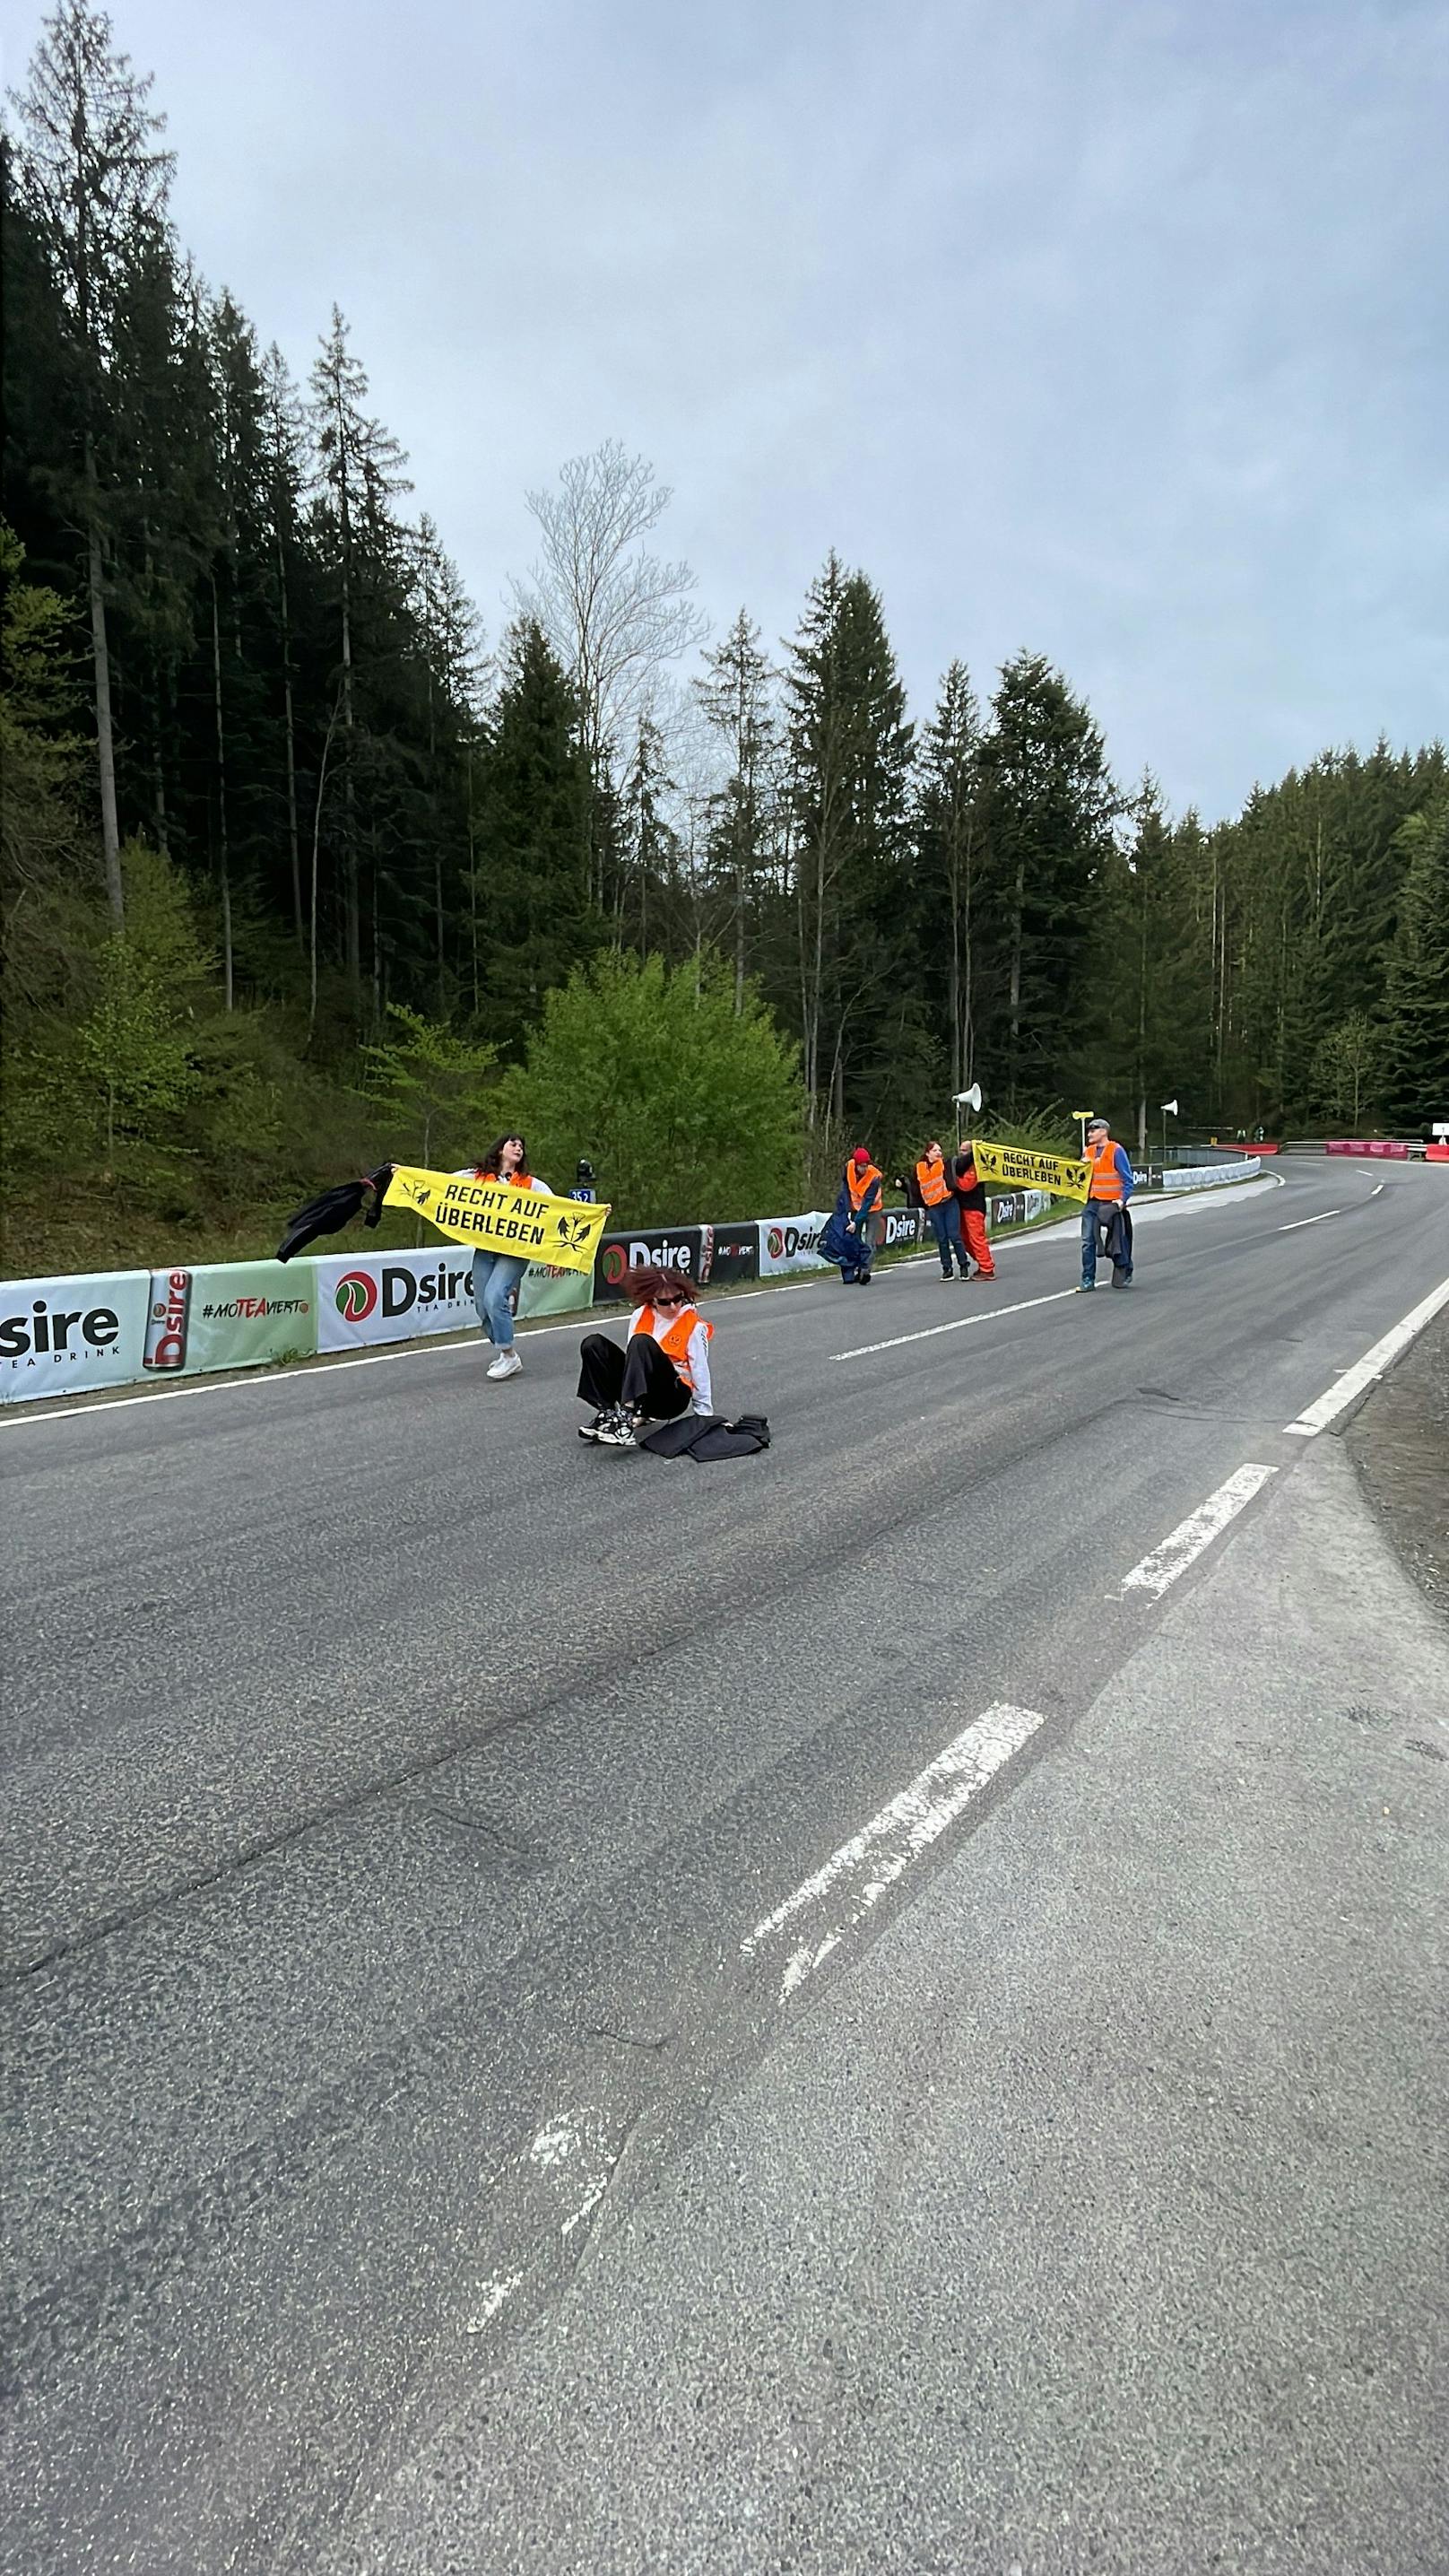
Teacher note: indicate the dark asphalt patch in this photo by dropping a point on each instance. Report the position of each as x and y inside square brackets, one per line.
[1399, 1443]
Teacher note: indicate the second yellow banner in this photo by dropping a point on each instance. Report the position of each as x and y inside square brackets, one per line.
[1022, 1168]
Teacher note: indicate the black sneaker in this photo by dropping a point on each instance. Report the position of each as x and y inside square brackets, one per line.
[616, 1431]
[593, 1430]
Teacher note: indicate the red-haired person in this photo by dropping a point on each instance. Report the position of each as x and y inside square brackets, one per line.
[661, 1371]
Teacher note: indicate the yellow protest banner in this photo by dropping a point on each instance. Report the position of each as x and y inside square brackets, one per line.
[1022, 1168]
[494, 1217]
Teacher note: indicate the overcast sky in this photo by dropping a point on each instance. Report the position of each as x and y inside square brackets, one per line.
[1116, 330]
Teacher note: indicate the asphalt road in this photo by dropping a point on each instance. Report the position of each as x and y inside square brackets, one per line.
[497, 2077]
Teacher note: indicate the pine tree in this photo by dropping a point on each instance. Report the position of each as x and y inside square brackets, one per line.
[735, 694]
[850, 755]
[283, 478]
[95, 187]
[449, 646]
[1047, 807]
[1417, 986]
[361, 472]
[531, 795]
[648, 850]
[164, 516]
[947, 830]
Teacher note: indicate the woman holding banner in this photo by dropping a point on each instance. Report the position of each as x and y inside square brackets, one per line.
[496, 1274]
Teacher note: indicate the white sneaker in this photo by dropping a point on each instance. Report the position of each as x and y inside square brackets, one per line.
[616, 1430]
[507, 1364]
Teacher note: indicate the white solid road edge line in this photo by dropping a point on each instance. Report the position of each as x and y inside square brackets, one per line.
[863, 1869]
[1178, 1549]
[1373, 1365]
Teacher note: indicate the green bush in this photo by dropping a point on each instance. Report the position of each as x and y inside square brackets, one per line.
[686, 1107]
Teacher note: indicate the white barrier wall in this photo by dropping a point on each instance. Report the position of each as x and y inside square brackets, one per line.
[1211, 1176]
[405, 1296]
[64, 1336]
[67, 1336]
[391, 1296]
[792, 1243]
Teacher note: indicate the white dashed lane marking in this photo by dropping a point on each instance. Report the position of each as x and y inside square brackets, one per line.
[847, 1886]
[1164, 1563]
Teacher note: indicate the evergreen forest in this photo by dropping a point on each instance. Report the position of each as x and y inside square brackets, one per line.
[301, 867]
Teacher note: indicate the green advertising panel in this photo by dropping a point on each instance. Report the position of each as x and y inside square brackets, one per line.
[230, 1315]
[554, 1292]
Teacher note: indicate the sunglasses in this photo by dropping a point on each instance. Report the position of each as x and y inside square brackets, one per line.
[671, 1301]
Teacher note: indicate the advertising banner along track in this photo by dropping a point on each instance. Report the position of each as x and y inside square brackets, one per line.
[67, 1336]
[230, 1315]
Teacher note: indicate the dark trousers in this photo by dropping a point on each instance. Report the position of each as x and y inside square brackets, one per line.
[1112, 1218]
[642, 1374]
[860, 1249]
[945, 1223]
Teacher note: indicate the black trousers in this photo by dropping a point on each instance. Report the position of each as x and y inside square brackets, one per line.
[642, 1374]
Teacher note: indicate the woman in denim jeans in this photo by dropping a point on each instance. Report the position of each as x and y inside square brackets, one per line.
[497, 1274]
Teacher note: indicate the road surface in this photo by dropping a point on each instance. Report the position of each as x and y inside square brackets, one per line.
[878, 2006]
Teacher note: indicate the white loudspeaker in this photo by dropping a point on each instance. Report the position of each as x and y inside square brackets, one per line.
[1172, 1105]
[969, 1099]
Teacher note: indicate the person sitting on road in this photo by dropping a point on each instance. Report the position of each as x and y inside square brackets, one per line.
[849, 1237]
[496, 1274]
[969, 1191]
[933, 1183]
[662, 1371]
[1110, 1186]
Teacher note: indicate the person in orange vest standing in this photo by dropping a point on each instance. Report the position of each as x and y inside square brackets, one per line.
[851, 1241]
[1109, 1188]
[939, 1202]
[661, 1372]
[970, 1193]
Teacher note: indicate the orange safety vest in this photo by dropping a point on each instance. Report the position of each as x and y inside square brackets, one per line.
[675, 1343]
[859, 1183]
[931, 1181]
[1106, 1182]
[516, 1180]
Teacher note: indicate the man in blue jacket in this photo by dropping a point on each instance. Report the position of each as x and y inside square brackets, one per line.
[1110, 1187]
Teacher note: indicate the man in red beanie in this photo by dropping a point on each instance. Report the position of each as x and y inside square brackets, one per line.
[851, 1228]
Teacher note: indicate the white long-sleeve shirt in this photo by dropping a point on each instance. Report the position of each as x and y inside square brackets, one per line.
[469, 1172]
[697, 1350]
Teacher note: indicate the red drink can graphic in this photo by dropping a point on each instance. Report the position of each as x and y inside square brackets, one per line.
[167, 1320]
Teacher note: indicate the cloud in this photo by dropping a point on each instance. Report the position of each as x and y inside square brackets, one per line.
[1109, 331]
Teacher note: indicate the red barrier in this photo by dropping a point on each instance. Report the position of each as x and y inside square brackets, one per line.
[1436, 1153]
[1378, 1145]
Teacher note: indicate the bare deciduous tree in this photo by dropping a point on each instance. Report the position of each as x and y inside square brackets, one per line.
[614, 613]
